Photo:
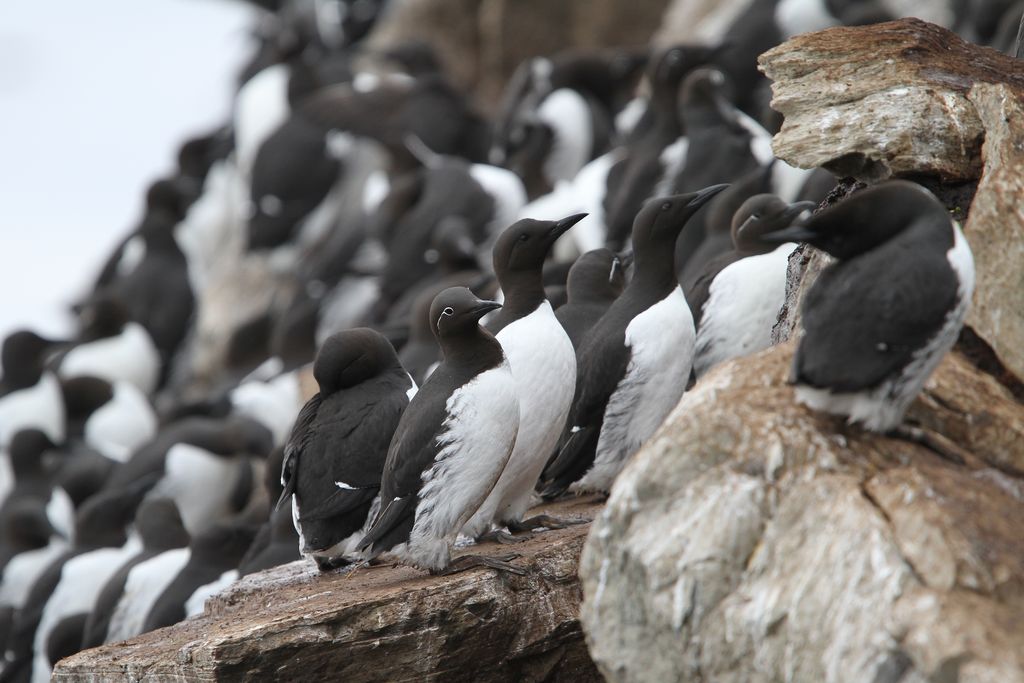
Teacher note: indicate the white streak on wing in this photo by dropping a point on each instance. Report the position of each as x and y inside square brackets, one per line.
[261, 105]
[40, 407]
[81, 580]
[343, 486]
[130, 356]
[200, 483]
[411, 391]
[543, 364]
[122, 424]
[661, 342]
[476, 441]
[144, 585]
[375, 190]
[742, 307]
[22, 571]
[197, 601]
[568, 115]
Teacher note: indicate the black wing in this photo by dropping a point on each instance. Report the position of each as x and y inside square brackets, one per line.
[699, 289]
[865, 318]
[601, 365]
[302, 432]
[412, 451]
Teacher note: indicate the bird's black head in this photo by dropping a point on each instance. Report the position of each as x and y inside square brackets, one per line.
[165, 196]
[26, 525]
[525, 244]
[159, 524]
[662, 219]
[102, 520]
[528, 146]
[245, 436]
[667, 71]
[350, 357]
[104, 315]
[866, 219]
[26, 451]
[760, 215]
[452, 246]
[456, 312]
[597, 274]
[23, 357]
[83, 395]
[706, 100]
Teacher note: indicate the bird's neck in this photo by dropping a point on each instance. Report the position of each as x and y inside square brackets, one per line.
[524, 292]
[655, 270]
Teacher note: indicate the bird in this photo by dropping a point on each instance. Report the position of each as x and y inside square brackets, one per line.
[33, 481]
[451, 445]
[876, 323]
[112, 347]
[334, 458]
[112, 418]
[634, 366]
[596, 280]
[126, 597]
[30, 395]
[211, 554]
[656, 146]
[737, 297]
[543, 364]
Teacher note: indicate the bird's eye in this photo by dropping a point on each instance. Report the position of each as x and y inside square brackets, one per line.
[449, 311]
[524, 237]
[755, 215]
[666, 206]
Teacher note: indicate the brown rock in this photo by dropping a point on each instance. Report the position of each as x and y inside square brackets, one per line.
[883, 100]
[754, 540]
[995, 228]
[378, 624]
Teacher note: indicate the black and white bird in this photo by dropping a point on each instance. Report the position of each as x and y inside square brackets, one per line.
[595, 281]
[113, 347]
[112, 418]
[737, 297]
[335, 456]
[452, 442]
[876, 323]
[543, 364]
[32, 481]
[30, 396]
[636, 362]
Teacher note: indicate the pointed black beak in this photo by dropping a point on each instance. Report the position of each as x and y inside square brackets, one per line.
[483, 307]
[794, 233]
[706, 195]
[562, 226]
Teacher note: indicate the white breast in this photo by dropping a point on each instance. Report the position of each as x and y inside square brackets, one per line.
[211, 235]
[672, 159]
[130, 356]
[274, 403]
[661, 342]
[60, 510]
[543, 364]
[21, 572]
[81, 580]
[200, 483]
[742, 307]
[122, 424]
[40, 407]
[794, 17]
[506, 188]
[476, 442]
[261, 105]
[568, 115]
[145, 583]
[197, 601]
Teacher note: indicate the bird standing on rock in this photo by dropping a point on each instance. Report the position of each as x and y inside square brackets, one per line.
[737, 298]
[877, 323]
[452, 443]
[335, 456]
[543, 366]
[635, 364]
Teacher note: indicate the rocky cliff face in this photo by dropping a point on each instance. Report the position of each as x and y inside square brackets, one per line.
[754, 540]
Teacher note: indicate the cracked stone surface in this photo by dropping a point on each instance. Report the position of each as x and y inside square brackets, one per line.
[378, 624]
[754, 540]
[884, 100]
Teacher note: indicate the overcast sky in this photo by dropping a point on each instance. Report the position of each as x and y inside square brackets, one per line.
[95, 97]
